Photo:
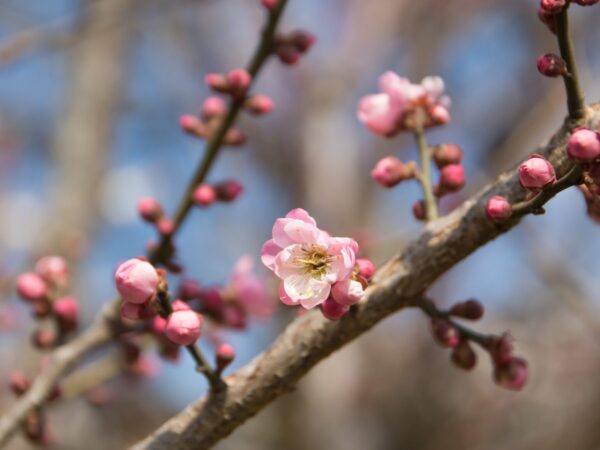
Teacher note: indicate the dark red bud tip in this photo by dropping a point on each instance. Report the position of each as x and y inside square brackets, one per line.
[444, 333]
[471, 309]
[463, 356]
[551, 65]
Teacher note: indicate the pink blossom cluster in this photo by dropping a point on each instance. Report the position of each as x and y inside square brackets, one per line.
[401, 105]
[316, 269]
[509, 372]
[45, 291]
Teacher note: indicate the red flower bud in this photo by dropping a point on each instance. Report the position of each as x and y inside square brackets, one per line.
[498, 209]
[444, 333]
[551, 65]
[471, 310]
[447, 154]
[464, 356]
[584, 146]
[333, 310]
[149, 209]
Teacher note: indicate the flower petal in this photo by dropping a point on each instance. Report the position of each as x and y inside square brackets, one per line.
[310, 292]
[268, 253]
[301, 214]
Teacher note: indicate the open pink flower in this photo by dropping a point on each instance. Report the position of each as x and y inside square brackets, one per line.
[402, 105]
[307, 259]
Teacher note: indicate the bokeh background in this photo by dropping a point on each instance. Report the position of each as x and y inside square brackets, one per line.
[90, 95]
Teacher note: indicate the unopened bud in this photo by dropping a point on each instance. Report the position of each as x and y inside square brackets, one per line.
[149, 209]
[452, 178]
[444, 333]
[31, 287]
[498, 209]
[259, 104]
[536, 173]
[470, 309]
[584, 146]
[366, 268]
[225, 355]
[333, 310]
[229, 190]
[551, 65]
[390, 171]
[19, 383]
[213, 106]
[464, 356]
[418, 210]
[512, 374]
[446, 154]
[204, 195]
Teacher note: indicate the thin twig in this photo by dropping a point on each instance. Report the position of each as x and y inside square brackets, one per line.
[424, 177]
[575, 99]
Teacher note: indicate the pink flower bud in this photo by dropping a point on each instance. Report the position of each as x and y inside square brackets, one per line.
[235, 137]
[498, 209]
[547, 19]
[259, 104]
[43, 338]
[270, 4]
[165, 226]
[332, 310]
[452, 178]
[225, 356]
[136, 280]
[464, 356]
[229, 190]
[192, 125]
[31, 287]
[212, 300]
[551, 65]
[471, 309]
[234, 316]
[184, 327]
[347, 292]
[213, 106]
[239, 80]
[217, 82]
[512, 375]
[287, 53]
[158, 325]
[500, 349]
[536, 173]
[553, 6]
[584, 146]
[302, 40]
[180, 305]
[19, 383]
[54, 270]
[189, 289]
[418, 210]
[439, 115]
[149, 209]
[366, 268]
[66, 311]
[447, 154]
[444, 333]
[204, 195]
[131, 311]
[390, 171]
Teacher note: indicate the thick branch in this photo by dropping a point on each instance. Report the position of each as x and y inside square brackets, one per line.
[311, 338]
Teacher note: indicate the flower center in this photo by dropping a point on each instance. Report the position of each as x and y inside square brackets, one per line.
[315, 261]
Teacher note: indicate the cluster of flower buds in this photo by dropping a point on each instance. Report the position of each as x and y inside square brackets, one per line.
[550, 8]
[316, 269]
[44, 290]
[290, 47]
[226, 191]
[152, 212]
[535, 175]
[583, 148]
[234, 84]
[509, 371]
[447, 158]
[402, 105]
[35, 428]
[243, 298]
[139, 284]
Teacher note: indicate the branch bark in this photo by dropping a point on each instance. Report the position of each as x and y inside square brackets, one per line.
[311, 338]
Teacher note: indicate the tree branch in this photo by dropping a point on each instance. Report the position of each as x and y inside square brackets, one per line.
[311, 338]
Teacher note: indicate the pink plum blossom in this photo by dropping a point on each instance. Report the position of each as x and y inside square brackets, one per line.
[402, 105]
[307, 259]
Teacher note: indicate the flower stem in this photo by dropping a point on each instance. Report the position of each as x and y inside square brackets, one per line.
[424, 178]
[575, 101]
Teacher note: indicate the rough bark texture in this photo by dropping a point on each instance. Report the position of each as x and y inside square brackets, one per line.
[311, 338]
